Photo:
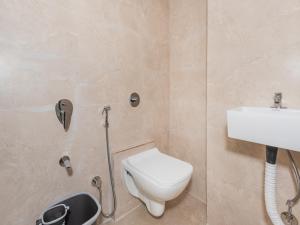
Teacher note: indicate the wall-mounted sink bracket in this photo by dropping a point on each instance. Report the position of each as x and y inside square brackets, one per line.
[64, 110]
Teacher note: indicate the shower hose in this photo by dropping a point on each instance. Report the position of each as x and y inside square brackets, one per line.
[110, 167]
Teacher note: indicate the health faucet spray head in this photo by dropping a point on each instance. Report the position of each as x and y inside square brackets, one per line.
[105, 111]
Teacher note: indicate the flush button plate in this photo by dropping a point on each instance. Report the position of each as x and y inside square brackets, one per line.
[134, 99]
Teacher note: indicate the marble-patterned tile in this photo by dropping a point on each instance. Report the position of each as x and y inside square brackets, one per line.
[253, 47]
[94, 53]
[187, 121]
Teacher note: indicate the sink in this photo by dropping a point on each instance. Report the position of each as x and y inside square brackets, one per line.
[268, 126]
[84, 209]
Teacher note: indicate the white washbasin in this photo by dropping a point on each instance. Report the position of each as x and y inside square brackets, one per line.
[268, 126]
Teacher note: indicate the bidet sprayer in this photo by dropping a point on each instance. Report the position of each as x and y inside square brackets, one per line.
[105, 111]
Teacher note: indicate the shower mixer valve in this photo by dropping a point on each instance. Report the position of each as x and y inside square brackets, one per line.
[64, 110]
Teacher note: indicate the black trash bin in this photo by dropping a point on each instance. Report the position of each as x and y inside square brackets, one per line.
[76, 209]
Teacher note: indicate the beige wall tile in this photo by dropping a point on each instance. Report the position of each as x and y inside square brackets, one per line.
[187, 135]
[184, 210]
[94, 53]
[253, 51]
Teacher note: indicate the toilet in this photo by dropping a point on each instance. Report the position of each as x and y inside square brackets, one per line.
[155, 178]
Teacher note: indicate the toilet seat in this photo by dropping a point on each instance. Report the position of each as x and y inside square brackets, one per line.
[155, 178]
[160, 168]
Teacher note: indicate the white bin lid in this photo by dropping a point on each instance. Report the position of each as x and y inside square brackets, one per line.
[160, 167]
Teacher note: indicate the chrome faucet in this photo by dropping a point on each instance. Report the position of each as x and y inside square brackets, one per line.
[64, 161]
[277, 101]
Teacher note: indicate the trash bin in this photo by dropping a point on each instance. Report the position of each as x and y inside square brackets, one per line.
[75, 209]
[56, 215]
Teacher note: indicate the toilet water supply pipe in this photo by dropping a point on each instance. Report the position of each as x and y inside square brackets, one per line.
[270, 185]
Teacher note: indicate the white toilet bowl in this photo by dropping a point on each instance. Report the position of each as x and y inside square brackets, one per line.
[155, 178]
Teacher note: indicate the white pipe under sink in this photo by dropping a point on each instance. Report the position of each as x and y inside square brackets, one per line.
[270, 193]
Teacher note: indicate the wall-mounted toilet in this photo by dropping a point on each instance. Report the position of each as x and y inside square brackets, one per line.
[155, 178]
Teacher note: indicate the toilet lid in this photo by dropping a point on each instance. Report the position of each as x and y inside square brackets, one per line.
[160, 167]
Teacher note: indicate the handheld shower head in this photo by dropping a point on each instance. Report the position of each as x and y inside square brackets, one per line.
[106, 109]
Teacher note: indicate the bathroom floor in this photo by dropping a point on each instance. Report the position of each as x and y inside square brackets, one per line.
[182, 211]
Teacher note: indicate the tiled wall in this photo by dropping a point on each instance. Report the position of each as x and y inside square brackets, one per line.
[93, 53]
[187, 139]
[253, 51]
[98, 52]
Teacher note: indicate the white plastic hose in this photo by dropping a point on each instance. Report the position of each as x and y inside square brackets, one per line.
[270, 194]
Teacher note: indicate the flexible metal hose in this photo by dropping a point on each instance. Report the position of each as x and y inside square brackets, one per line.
[110, 167]
[294, 168]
